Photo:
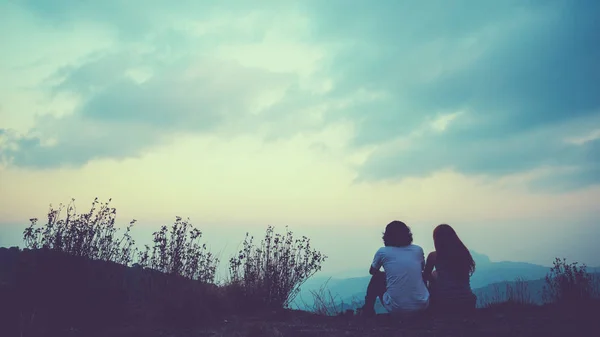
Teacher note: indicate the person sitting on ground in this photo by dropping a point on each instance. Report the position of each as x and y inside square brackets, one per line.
[449, 283]
[400, 288]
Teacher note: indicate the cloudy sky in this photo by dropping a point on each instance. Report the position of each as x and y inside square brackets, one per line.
[333, 117]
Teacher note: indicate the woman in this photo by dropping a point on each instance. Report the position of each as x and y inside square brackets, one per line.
[449, 283]
[400, 288]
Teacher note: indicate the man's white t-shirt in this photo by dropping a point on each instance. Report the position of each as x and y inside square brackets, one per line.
[405, 289]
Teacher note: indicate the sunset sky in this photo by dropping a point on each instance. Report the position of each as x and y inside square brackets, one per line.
[333, 117]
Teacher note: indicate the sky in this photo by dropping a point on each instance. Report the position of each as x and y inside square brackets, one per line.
[332, 117]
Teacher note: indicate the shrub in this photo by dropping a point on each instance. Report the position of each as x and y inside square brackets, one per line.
[81, 258]
[568, 283]
[272, 273]
[178, 251]
[91, 235]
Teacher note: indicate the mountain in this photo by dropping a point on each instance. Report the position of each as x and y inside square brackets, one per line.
[497, 292]
[506, 271]
[531, 290]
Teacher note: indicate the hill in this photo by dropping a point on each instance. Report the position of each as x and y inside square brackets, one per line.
[45, 293]
[49, 291]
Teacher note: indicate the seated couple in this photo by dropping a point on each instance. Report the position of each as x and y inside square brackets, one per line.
[410, 284]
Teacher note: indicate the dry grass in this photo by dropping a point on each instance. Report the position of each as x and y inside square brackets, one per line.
[75, 274]
[76, 278]
[270, 274]
[569, 284]
[325, 303]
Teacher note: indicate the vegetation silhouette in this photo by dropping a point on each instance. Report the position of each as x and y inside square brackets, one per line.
[81, 275]
[80, 261]
[271, 274]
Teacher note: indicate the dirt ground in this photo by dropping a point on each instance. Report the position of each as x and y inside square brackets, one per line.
[489, 323]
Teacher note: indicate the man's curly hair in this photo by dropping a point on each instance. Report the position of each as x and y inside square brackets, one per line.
[397, 234]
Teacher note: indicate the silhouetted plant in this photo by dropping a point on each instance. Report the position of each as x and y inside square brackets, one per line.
[515, 293]
[326, 304]
[496, 296]
[518, 292]
[273, 272]
[177, 250]
[568, 283]
[595, 285]
[92, 235]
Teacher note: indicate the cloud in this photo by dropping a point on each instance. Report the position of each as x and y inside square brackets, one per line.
[479, 87]
[196, 96]
[428, 152]
[135, 19]
[520, 71]
[183, 74]
[119, 117]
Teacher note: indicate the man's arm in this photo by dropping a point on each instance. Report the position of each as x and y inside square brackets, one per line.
[377, 263]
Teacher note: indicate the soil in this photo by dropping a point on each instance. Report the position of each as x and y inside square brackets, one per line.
[508, 321]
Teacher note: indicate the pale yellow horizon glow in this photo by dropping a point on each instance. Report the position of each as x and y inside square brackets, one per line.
[245, 180]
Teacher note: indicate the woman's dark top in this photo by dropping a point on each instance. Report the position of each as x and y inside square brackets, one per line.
[451, 287]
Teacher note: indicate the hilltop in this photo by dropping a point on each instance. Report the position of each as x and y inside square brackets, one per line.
[81, 276]
[72, 296]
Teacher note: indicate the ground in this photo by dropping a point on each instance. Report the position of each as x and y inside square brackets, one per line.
[494, 322]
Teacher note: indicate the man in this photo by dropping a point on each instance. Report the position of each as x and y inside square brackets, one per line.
[401, 287]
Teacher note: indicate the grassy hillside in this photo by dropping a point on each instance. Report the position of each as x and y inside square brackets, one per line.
[61, 295]
[45, 293]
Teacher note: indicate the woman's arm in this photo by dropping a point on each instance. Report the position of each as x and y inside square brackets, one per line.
[429, 265]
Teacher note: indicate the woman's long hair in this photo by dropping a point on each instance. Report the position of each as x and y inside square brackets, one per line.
[451, 251]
